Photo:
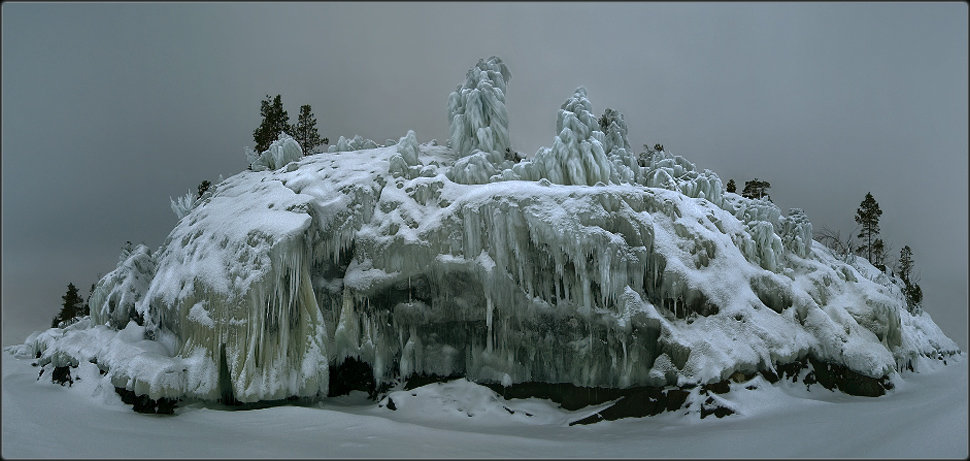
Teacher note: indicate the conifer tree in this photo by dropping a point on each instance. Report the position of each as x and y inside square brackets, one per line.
[756, 188]
[905, 262]
[71, 308]
[731, 187]
[879, 254]
[203, 187]
[305, 130]
[275, 121]
[912, 290]
[868, 217]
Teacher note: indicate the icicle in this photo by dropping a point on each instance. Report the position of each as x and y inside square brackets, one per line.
[488, 322]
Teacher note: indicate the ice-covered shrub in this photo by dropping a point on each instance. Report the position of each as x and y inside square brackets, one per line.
[476, 110]
[183, 204]
[117, 293]
[282, 151]
[617, 147]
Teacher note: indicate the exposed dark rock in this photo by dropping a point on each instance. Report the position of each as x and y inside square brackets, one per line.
[390, 404]
[144, 404]
[568, 396]
[710, 407]
[834, 376]
[418, 380]
[647, 401]
[62, 375]
[166, 406]
[722, 387]
[769, 375]
[352, 375]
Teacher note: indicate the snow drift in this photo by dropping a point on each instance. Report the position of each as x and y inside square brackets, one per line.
[588, 265]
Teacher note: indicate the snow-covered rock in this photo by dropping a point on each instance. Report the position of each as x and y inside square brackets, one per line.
[558, 270]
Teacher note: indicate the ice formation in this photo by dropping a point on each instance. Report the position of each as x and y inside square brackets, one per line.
[476, 110]
[282, 151]
[351, 144]
[588, 265]
[116, 294]
[577, 155]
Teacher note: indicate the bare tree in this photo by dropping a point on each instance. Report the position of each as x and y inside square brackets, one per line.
[841, 247]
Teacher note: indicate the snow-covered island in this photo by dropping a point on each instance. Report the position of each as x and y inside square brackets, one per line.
[587, 274]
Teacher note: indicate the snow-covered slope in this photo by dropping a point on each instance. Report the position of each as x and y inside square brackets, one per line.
[587, 265]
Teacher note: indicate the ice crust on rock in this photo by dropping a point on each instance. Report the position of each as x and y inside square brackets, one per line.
[282, 274]
[588, 265]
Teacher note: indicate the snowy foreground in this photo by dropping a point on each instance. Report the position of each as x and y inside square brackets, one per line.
[925, 416]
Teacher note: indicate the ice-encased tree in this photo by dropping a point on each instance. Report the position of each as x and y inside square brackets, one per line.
[577, 155]
[476, 110]
[183, 204]
[403, 162]
[114, 297]
[617, 146]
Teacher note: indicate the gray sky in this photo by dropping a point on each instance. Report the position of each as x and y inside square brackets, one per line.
[110, 109]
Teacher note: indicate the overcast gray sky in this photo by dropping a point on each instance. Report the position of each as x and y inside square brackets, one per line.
[110, 109]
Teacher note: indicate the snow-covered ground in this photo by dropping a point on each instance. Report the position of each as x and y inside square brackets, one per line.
[924, 417]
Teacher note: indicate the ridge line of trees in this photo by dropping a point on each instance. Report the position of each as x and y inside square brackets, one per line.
[276, 120]
[875, 250]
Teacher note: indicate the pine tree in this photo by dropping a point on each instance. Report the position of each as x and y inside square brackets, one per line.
[879, 254]
[756, 188]
[203, 187]
[905, 263]
[868, 216]
[912, 290]
[731, 187]
[305, 130]
[275, 121]
[71, 308]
